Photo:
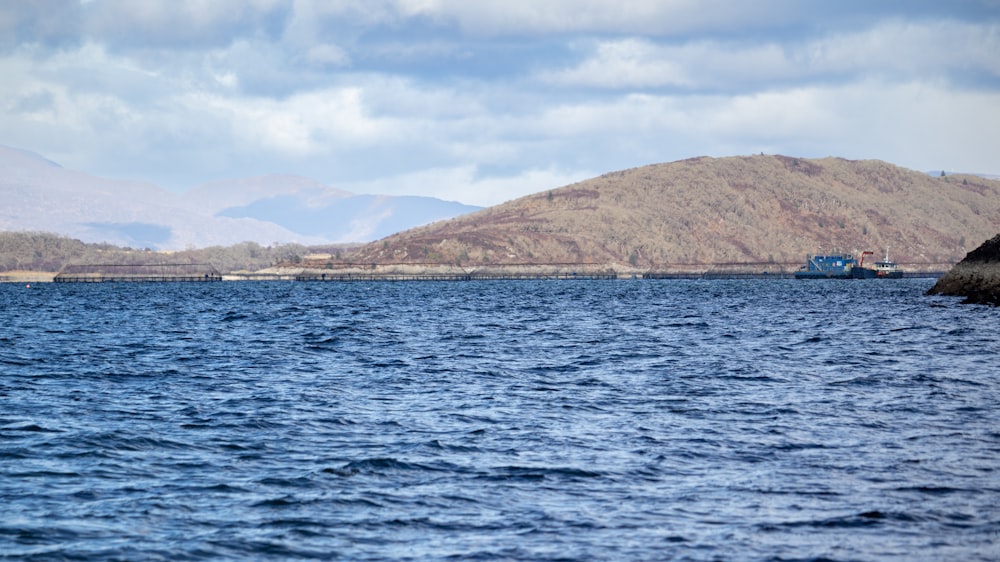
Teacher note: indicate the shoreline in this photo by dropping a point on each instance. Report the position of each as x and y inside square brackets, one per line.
[400, 273]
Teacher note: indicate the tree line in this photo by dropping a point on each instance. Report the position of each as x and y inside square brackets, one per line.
[44, 251]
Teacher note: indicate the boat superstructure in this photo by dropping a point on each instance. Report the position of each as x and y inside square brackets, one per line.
[887, 269]
[828, 266]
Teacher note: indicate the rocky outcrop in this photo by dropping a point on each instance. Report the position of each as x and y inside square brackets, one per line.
[977, 277]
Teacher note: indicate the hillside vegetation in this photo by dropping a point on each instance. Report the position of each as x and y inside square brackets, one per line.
[41, 251]
[766, 212]
[703, 211]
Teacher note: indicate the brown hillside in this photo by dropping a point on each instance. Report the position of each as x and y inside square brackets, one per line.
[717, 210]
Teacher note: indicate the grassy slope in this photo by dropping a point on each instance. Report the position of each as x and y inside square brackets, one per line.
[705, 210]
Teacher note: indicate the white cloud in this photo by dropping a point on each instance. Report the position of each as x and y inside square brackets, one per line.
[476, 102]
[628, 63]
[920, 125]
[466, 185]
[892, 48]
[326, 54]
[73, 110]
[493, 190]
[798, 113]
[301, 125]
[176, 22]
[653, 17]
[905, 123]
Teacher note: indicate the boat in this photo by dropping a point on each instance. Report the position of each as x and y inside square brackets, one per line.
[886, 269]
[829, 266]
[846, 266]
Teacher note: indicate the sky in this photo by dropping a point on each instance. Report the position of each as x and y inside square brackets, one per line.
[483, 101]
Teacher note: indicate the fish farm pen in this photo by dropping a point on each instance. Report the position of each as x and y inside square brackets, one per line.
[200, 273]
[148, 273]
[448, 276]
[718, 275]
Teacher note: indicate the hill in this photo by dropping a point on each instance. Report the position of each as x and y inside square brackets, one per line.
[47, 252]
[703, 211]
[317, 211]
[40, 195]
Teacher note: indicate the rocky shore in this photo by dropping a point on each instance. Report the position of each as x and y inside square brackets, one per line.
[976, 277]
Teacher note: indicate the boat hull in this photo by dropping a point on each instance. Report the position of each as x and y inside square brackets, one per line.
[822, 275]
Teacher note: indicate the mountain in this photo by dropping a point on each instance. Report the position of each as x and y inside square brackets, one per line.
[217, 196]
[39, 195]
[349, 218]
[704, 211]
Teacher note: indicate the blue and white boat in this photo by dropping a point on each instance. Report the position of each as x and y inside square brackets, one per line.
[829, 266]
[846, 266]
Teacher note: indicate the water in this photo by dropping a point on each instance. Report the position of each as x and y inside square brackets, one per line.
[561, 420]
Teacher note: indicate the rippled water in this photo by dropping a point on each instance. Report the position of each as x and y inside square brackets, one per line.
[571, 420]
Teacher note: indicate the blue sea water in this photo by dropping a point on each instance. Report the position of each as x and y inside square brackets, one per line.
[558, 420]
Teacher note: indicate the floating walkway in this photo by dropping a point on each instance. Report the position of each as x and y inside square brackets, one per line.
[346, 277]
[132, 273]
[719, 275]
[202, 273]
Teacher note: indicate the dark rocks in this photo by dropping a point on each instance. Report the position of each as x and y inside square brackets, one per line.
[976, 277]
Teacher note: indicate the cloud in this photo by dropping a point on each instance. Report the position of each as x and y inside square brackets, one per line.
[466, 184]
[652, 17]
[300, 125]
[904, 123]
[34, 22]
[326, 54]
[183, 24]
[38, 102]
[890, 49]
[195, 24]
[483, 101]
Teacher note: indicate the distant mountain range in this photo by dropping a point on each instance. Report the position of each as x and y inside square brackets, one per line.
[716, 211]
[37, 194]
